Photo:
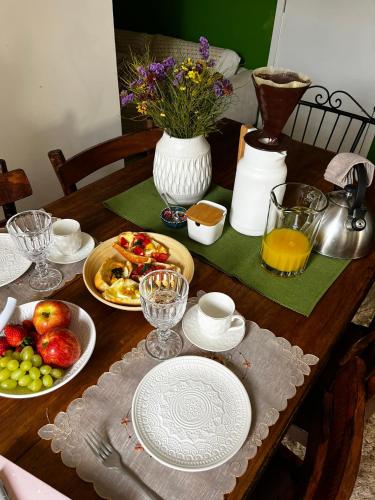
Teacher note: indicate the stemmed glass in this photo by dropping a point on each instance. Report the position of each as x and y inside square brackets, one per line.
[164, 295]
[31, 232]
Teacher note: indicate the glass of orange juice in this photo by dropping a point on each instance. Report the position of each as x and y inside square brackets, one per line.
[294, 215]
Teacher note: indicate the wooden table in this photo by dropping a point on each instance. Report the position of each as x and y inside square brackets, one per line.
[118, 331]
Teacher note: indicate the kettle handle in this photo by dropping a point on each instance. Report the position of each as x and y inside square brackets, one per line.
[357, 210]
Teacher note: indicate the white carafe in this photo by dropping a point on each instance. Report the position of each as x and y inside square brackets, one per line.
[258, 171]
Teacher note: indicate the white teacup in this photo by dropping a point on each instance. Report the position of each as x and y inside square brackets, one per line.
[216, 314]
[67, 236]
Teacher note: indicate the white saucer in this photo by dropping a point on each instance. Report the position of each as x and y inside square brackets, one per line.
[88, 245]
[193, 333]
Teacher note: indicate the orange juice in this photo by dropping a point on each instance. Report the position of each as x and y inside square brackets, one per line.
[286, 250]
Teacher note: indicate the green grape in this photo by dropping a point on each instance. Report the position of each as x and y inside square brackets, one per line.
[27, 353]
[17, 374]
[25, 380]
[12, 365]
[16, 355]
[26, 365]
[4, 374]
[57, 373]
[45, 369]
[34, 372]
[8, 384]
[47, 380]
[37, 360]
[35, 385]
[8, 353]
[4, 361]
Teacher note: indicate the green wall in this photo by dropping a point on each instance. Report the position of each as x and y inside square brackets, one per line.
[242, 25]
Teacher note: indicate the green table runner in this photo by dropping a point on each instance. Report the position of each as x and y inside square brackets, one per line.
[235, 254]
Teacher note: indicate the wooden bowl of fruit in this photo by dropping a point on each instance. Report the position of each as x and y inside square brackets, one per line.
[46, 344]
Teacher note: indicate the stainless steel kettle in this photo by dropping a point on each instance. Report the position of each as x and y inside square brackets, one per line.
[347, 228]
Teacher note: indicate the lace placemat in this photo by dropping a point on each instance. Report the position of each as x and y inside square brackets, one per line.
[20, 289]
[268, 366]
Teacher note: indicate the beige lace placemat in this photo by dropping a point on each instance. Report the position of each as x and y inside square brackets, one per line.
[268, 366]
[20, 289]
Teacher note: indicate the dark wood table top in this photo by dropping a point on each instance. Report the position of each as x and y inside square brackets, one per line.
[118, 331]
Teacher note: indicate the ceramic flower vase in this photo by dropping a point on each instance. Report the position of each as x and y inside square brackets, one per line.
[182, 168]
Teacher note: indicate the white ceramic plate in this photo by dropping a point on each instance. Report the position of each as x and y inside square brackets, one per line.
[224, 342]
[12, 263]
[191, 413]
[88, 245]
[81, 325]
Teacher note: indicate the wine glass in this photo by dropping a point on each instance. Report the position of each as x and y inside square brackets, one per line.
[31, 232]
[164, 295]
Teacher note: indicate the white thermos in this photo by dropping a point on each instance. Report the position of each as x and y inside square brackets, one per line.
[258, 171]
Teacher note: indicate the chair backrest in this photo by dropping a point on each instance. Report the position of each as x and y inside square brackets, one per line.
[76, 168]
[331, 121]
[335, 442]
[14, 186]
[335, 447]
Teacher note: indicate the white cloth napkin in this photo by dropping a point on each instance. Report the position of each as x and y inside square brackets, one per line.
[340, 169]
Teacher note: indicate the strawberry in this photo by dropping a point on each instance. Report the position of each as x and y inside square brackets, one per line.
[138, 251]
[160, 257]
[4, 346]
[15, 334]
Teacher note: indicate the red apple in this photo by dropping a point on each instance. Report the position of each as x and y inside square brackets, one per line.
[50, 314]
[58, 347]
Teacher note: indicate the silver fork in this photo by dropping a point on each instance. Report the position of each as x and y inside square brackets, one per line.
[110, 457]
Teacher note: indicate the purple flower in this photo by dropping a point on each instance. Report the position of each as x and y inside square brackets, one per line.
[151, 88]
[227, 87]
[211, 63]
[199, 67]
[168, 63]
[142, 71]
[158, 70]
[218, 88]
[126, 98]
[135, 83]
[178, 78]
[204, 48]
[222, 87]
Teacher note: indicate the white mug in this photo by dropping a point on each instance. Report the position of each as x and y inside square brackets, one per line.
[216, 314]
[67, 236]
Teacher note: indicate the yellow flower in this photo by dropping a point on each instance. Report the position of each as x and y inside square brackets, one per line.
[182, 88]
[162, 114]
[142, 108]
[194, 76]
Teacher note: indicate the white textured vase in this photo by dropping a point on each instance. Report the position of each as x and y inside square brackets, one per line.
[182, 168]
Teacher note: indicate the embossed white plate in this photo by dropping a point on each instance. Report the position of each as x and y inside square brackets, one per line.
[191, 413]
[81, 325]
[198, 337]
[12, 263]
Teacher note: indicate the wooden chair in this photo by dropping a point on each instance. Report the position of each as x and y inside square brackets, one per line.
[334, 445]
[76, 168]
[14, 186]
